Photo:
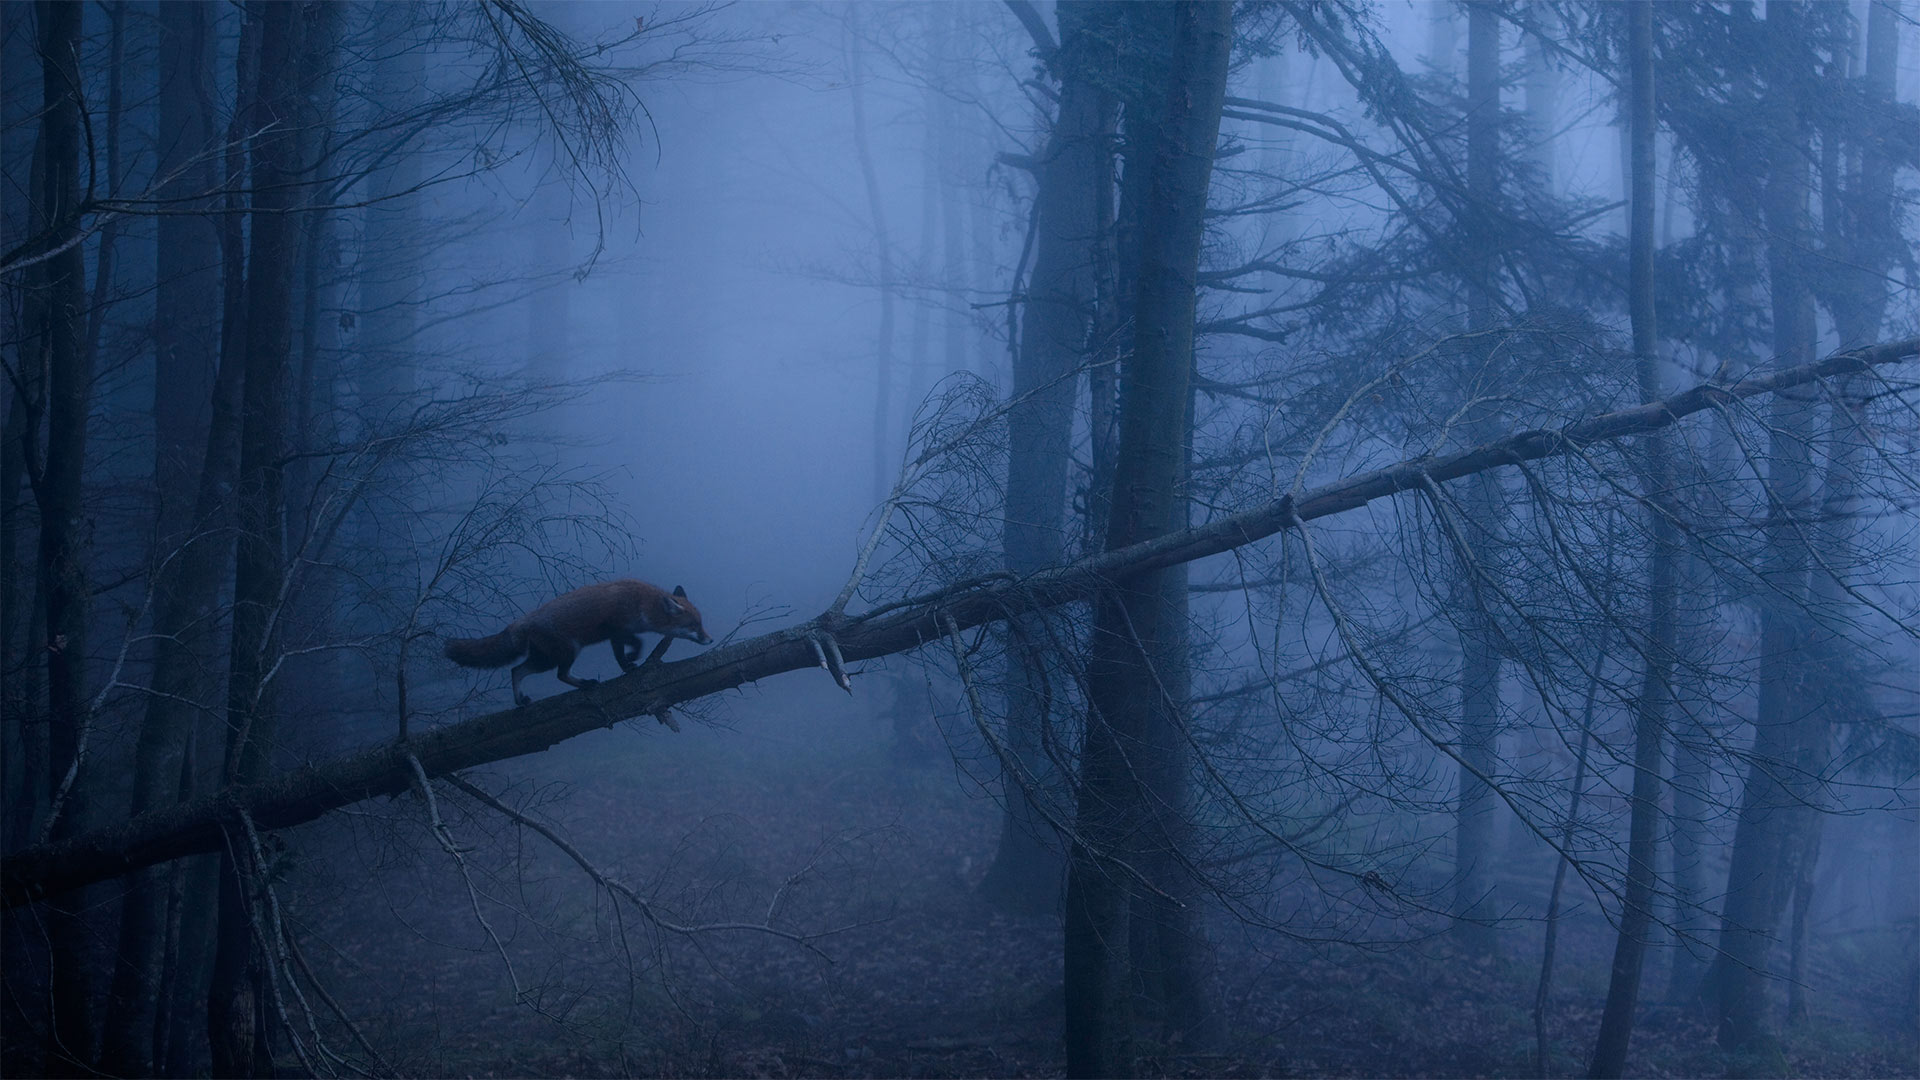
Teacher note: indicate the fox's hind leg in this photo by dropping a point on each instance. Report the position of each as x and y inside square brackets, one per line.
[526, 667]
[558, 651]
[545, 651]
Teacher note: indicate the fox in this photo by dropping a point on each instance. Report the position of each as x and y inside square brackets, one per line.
[551, 636]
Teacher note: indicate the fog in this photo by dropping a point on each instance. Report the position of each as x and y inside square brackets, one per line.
[1200, 539]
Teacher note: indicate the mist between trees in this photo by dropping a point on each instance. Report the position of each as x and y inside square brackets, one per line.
[1356, 539]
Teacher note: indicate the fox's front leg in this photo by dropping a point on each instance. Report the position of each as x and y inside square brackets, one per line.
[622, 643]
[659, 650]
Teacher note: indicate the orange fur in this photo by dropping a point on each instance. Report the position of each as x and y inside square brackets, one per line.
[551, 636]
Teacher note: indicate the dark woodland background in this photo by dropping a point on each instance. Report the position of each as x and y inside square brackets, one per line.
[1262, 538]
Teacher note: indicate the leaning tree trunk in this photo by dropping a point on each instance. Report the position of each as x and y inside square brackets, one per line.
[1650, 711]
[1139, 635]
[295, 796]
[1027, 869]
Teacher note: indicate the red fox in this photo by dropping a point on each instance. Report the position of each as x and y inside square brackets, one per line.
[552, 635]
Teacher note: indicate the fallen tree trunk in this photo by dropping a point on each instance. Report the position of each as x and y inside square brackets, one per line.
[303, 794]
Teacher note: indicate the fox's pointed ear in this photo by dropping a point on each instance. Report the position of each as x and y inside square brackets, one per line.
[673, 606]
[679, 592]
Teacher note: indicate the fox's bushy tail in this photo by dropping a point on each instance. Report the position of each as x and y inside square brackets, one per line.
[497, 650]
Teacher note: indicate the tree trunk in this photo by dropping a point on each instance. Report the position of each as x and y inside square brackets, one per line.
[1774, 794]
[1027, 869]
[59, 492]
[1476, 904]
[235, 1006]
[1650, 711]
[186, 344]
[1543, 98]
[883, 464]
[22, 625]
[1137, 662]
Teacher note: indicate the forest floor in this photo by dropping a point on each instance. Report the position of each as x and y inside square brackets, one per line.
[912, 973]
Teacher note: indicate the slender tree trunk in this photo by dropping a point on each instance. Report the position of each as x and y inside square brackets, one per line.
[1543, 990]
[883, 465]
[920, 331]
[1804, 863]
[1543, 99]
[1475, 901]
[1691, 777]
[1027, 869]
[953, 243]
[390, 273]
[390, 264]
[1137, 659]
[1650, 711]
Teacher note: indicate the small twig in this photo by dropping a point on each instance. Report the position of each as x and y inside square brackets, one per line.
[272, 946]
[617, 889]
[320, 991]
[442, 834]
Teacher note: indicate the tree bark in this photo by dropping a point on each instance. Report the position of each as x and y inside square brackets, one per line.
[235, 1006]
[59, 491]
[1775, 793]
[1652, 707]
[186, 344]
[1027, 869]
[1136, 670]
[23, 624]
[1475, 901]
[883, 465]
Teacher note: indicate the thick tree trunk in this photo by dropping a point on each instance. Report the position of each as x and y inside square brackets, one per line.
[186, 350]
[236, 1009]
[1136, 671]
[60, 494]
[1785, 732]
[22, 625]
[1657, 652]
[1027, 870]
